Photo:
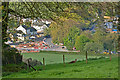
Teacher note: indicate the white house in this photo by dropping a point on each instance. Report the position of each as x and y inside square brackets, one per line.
[22, 28]
[40, 28]
[20, 37]
[46, 21]
[27, 30]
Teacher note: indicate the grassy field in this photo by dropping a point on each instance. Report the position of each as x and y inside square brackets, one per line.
[57, 57]
[96, 68]
[101, 68]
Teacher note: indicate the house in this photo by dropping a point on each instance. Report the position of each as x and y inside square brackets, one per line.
[22, 28]
[27, 30]
[40, 34]
[31, 31]
[109, 25]
[40, 27]
[46, 21]
[115, 19]
[114, 31]
[20, 35]
[108, 30]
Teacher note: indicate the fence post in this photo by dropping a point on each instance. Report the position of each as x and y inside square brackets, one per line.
[43, 63]
[86, 57]
[64, 60]
[28, 64]
[14, 58]
[110, 54]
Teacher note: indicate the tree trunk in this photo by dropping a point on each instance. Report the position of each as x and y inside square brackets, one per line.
[4, 20]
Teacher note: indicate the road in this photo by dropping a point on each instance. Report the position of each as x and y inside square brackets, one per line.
[54, 47]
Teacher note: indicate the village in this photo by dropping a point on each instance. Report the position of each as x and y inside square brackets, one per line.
[31, 38]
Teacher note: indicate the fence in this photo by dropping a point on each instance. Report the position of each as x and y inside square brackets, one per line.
[64, 58]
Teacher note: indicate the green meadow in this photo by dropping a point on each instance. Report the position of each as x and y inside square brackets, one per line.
[57, 57]
[97, 67]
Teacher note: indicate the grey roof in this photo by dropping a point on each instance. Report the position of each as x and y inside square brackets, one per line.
[27, 28]
[24, 26]
[31, 29]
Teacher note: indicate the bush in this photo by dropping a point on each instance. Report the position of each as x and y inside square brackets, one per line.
[8, 54]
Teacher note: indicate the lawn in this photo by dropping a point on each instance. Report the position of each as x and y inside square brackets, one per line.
[95, 68]
[57, 57]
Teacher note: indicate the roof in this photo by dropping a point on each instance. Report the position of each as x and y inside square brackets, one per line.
[24, 26]
[47, 25]
[114, 30]
[19, 31]
[109, 24]
[117, 15]
[108, 17]
[31, 29]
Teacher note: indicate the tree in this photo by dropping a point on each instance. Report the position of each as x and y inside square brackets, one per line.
[7, 51]
[111, 41]
[59, 31]
[87, 33]
[5, 6]
[80, 42]
[46, 32]
[69, 40]
[91, 46]
[99, 36]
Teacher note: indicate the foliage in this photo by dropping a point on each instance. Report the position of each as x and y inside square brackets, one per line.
[64, 15]
[69, 40]
[91, 46]
[27, 23]
[12, 24]
[8, 53]
[99, 36]
[80, 42]
[88, 34]
[46, 32]
[111, 41]
[58, 31]
[4, 20]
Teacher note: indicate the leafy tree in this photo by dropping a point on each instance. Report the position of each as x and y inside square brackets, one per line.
[99, 36]
[87, 33]
[80, 42]
[111, 41]
[46, 32]
[91, 46]
[58, 31]
[27, 23]
[69, 40]
[5, 6]
[7, 51]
